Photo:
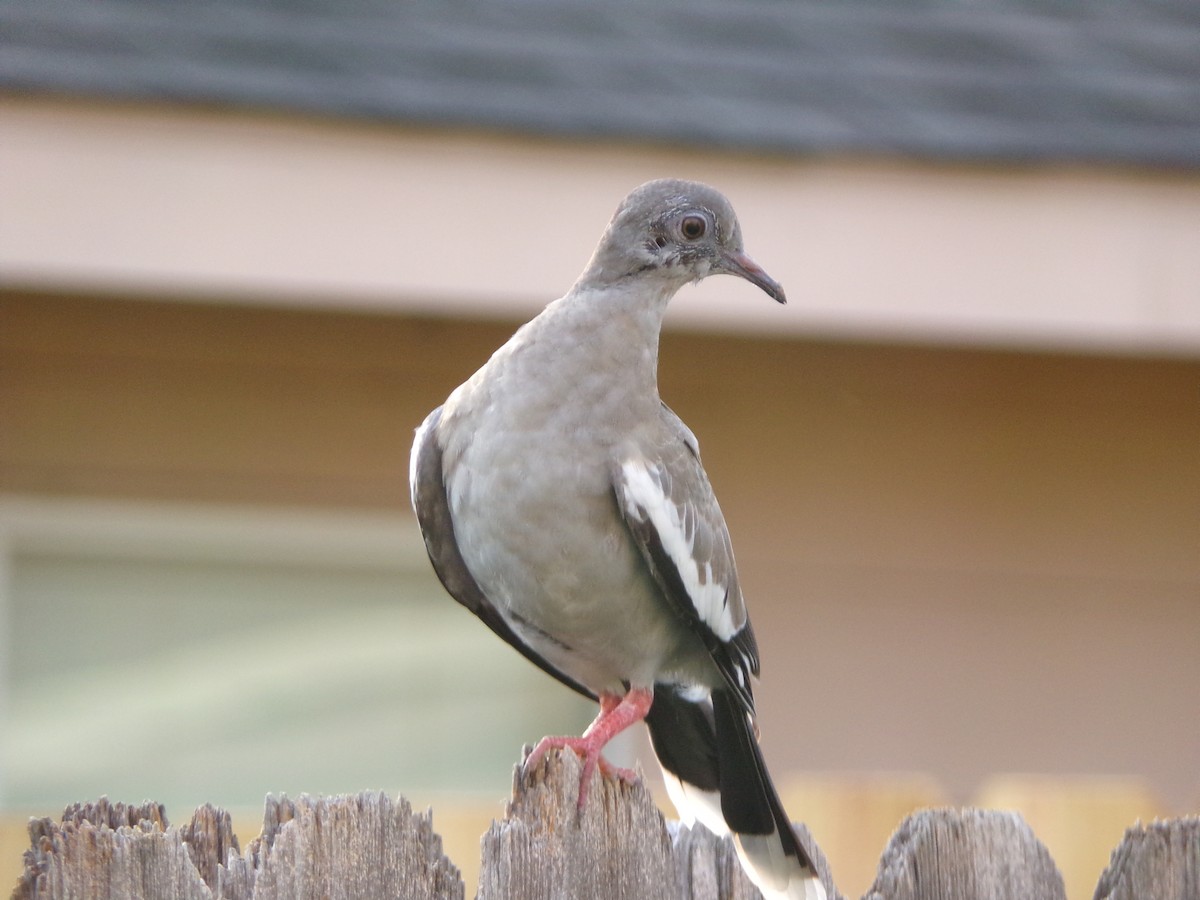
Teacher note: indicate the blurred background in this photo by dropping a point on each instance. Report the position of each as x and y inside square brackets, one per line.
[246, 246]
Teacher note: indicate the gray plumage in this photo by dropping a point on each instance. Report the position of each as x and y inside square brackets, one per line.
[565, 504]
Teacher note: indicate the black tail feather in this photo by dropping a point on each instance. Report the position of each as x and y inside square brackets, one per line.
[746, 789]
[711, 746]
[749, 801]
[684, 738]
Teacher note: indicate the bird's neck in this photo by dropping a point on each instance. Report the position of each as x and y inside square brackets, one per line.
[615, 329]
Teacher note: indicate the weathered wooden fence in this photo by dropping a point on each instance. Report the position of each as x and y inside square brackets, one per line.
[370, 847]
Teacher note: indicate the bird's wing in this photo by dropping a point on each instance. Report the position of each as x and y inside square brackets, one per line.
[707, 745]
[433, 513]
[668, 505]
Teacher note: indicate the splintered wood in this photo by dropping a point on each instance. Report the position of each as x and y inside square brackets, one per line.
[365, 847]
[369, 847]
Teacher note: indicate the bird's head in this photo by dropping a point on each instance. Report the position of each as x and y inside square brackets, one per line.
[680, 230]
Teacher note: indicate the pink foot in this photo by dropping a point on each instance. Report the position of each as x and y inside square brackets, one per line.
[608, 770]
[616, 714]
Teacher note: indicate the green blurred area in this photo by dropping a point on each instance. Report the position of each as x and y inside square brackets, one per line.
[189, 681]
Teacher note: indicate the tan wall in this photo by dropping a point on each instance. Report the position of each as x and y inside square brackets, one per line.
[959, 561]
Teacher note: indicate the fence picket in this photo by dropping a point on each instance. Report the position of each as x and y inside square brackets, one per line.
[369, 847]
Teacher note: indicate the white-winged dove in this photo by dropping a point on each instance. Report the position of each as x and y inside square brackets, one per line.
[565, 505]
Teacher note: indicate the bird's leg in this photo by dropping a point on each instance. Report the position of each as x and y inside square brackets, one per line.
[608, 703]
[616, 714]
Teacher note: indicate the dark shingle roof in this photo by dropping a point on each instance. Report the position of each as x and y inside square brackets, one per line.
[1009, 80]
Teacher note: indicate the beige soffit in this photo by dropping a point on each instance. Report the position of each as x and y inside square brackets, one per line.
[257, 208]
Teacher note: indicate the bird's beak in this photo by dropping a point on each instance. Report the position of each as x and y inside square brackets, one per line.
[740, 264]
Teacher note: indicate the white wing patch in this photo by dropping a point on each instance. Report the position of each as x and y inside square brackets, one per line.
[644, 500]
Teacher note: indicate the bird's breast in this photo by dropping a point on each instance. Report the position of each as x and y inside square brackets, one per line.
[537, 524]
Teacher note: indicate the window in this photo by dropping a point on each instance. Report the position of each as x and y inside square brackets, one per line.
[190, 654]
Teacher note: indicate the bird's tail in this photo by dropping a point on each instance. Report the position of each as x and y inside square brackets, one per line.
[715, 774]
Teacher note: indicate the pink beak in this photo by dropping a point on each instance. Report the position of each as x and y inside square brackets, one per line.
[743, 266]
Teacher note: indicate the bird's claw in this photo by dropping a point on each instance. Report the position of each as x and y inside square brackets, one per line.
[592, 759]
[608, 770]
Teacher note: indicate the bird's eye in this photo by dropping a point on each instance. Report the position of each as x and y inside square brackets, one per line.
[693, 227]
